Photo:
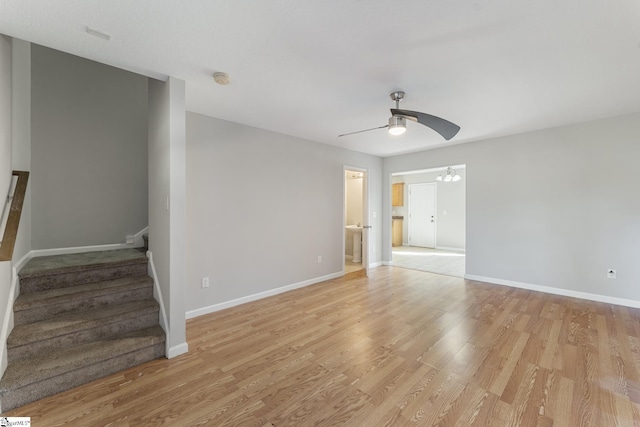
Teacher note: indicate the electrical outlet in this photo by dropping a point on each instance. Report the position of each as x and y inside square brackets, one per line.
[319, 259]
[205, 282]
[130, 239]
[611, 273]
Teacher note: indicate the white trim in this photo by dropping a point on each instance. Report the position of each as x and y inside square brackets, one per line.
[22, 261]
[375, 264]
[78, 249]
[557, 291]
[177, 350]
[157, 294]
[387, 263]
[7, 321]
[438, 169]
[249, 298]
[138, 241]
[82, 249]
[446, 248]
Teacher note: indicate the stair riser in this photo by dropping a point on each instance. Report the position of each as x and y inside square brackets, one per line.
[45, 312]
[37, 391]
[108, 329]
[63, 280]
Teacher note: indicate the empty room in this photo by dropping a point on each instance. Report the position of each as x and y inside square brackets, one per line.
[346, 213]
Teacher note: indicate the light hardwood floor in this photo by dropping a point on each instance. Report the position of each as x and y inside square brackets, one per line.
[403, 348]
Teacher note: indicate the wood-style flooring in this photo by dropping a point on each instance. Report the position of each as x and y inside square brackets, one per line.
[402, 348]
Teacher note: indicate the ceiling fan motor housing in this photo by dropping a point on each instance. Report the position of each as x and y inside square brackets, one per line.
[397, 96]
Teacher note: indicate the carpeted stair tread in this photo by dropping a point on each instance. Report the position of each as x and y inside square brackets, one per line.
[78, 321]
[42, 367]
[78, 318]
[56, 264]
[90, 290]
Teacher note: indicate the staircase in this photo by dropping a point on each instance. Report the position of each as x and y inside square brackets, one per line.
[78, 318]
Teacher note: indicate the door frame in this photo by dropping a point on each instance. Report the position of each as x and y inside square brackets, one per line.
[366, 217]
[435, 211]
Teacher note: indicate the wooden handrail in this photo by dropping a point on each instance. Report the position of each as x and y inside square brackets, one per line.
[13, 220]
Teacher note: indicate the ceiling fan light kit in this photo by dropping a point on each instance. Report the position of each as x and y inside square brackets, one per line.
[398, 121]
[397, 125]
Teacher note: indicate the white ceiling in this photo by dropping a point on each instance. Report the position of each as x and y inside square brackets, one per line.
[316, 69]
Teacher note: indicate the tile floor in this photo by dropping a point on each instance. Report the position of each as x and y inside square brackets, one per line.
[431, 260]
[350, 266]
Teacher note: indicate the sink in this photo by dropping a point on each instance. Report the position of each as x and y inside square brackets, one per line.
[357, 241]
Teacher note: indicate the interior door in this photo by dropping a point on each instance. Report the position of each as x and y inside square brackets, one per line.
[422, 215]
[366, 229]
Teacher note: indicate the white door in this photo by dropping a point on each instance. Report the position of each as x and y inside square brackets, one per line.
[366, 228]
[422, 215]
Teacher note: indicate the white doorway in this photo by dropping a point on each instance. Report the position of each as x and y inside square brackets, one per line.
[356, 220]
[445, 254]
[422, 215]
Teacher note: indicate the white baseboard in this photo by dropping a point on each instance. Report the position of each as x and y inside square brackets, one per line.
[387, 262]
[22, 261]
[447, 248]
[78, 249]
[177, 350]
[557, 291]
[375, 264]
[138, 241]
[249, 298]
[157, 294]
[7, 321]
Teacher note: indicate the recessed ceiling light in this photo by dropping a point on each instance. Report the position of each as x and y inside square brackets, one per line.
[98, 34]
[221, 78]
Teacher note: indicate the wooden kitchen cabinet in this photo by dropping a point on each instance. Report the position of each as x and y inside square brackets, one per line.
[397, 194]
[396, 232]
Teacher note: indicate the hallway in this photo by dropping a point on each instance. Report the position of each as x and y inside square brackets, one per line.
[431, 260]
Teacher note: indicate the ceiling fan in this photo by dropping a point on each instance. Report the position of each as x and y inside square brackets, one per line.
[398, 121]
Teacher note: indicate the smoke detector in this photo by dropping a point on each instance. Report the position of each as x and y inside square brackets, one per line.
[221, 78]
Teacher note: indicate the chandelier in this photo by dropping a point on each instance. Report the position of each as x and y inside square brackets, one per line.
[450, 176]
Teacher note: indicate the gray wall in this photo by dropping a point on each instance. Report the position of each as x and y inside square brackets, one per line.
[550, 208]
[5, 171]
[261, 207]
[5, 117]
[167, 202]
[21, 135]
[88, 151]
[450, 207]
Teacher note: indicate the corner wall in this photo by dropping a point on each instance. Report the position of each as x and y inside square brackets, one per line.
[167, 202]
[554, 208]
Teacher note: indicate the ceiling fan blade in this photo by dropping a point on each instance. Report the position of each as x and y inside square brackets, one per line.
[366, 130]
[444, 127]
